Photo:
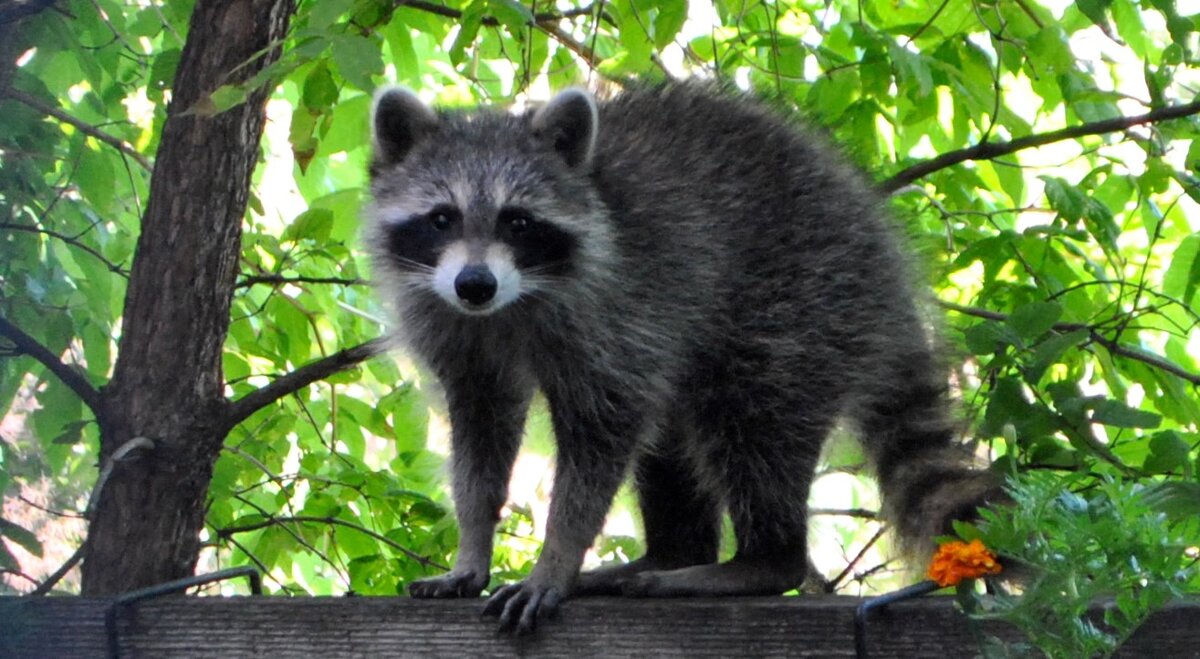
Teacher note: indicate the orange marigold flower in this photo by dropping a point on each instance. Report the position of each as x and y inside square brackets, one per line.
[955, 561]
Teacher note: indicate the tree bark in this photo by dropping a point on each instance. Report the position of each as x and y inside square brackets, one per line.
[167, 384]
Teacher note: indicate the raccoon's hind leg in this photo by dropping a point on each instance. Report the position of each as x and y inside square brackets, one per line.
[764, 445]
[682, 521]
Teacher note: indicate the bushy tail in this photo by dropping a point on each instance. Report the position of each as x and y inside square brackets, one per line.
[927, 477]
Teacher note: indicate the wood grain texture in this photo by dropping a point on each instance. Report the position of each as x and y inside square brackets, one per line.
[610, 627]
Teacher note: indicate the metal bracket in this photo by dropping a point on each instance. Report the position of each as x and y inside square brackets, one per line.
[864, 610]
[167, 588]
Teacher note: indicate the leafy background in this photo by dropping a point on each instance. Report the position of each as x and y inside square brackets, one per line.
[1067, 270]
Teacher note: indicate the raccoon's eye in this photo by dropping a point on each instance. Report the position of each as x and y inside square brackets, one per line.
[518, 224]
[517, 221]
[439, 220]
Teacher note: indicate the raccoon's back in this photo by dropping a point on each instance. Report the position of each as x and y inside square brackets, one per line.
[772, 228]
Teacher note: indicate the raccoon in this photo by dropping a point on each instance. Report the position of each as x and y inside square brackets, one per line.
[700, 288]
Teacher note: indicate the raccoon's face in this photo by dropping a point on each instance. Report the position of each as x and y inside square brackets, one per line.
[469, 208]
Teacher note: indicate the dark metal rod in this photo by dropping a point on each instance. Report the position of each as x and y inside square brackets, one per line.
[166, 588]
[864, 610]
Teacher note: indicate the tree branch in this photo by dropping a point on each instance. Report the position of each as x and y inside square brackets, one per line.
[991, 150]
[1113, 346]
[560, 35]
[85, 128]
[492, 21]
[69, 376]
[240, 409]
[251, 280]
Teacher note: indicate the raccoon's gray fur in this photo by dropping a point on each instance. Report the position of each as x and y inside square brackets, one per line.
[700, 289]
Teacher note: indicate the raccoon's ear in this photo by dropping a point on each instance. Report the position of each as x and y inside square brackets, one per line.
[399, 120]
[569, 121]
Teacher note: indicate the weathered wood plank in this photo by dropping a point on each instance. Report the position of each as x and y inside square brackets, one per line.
[377, 626]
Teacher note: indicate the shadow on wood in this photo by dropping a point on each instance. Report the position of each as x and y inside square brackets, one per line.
[611, 627]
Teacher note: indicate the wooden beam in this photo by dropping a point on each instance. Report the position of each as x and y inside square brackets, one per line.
[392, 626]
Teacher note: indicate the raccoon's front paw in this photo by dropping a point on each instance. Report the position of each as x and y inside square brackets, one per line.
[467, 583]
[521, 605]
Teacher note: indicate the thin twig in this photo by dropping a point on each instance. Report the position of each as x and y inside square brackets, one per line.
[862, 513]
[73, 241]
[492, 21]
[333, 521]
[85, 128]
[251, 280]
[1113, 346]
[46, 586]
[836, 581]
[74, 380]
[560, 35]
[991, 150]
[48, 511]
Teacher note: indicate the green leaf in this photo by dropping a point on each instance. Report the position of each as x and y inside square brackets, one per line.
[22, 536]
[1177, 499]
[1007, 404]
[313, 224]
[514, 15]
[1049, 351]
[912, 71]
[320, 90]
[1096, 11]
[162, 73]
[224, 98]
[1100, 222]
[1115, 413]
[358, 59]
[1183, 275]
[323, 14]
[410, 417]
[1064, 197]
[672, 14]
[96, 177]
[468, 29]
[1131, 28]
[1168, 453]
[7, 560]
[349, 126]
[403, 53]
[1034, 319]
[988, 337]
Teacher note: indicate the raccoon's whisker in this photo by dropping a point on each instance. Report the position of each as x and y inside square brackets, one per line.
[413, 265]
[544, 268]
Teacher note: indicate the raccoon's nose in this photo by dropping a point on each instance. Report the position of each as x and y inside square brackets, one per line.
[475, 284]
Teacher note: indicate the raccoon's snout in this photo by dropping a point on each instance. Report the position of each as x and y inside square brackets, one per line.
[475, 285]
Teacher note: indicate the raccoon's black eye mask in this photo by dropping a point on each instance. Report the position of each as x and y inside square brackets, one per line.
[443, 217]
[515, 220]
[536, 244]
[420, 239]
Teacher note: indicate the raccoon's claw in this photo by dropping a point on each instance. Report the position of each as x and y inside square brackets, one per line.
[450, 585]
[520, 605]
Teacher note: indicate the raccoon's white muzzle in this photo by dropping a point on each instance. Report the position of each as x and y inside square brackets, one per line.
[477, 287]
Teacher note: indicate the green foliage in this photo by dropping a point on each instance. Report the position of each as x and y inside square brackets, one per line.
[1069, 271]
[1112, 541]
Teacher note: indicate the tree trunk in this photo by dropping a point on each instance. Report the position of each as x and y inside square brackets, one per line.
[167, 384]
